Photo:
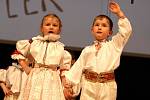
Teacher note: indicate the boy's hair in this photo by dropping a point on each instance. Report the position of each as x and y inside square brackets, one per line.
[104, 16]
[53, 16]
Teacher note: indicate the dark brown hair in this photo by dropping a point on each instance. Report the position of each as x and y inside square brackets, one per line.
[104, 16]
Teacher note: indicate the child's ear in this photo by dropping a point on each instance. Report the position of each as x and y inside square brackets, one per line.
[110, 33]
[91, 29]
[59, 30]
[41, 30]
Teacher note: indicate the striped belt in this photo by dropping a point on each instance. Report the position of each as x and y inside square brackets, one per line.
[52, 67]
[101, 77]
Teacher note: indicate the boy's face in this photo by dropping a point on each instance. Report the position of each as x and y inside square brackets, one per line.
[101, 29]
[50, 25]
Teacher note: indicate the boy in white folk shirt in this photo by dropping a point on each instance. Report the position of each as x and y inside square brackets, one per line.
[97, 62]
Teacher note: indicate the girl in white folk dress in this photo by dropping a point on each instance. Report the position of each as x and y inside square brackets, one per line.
[44, 80]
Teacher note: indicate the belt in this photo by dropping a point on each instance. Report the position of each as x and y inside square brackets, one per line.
[52, 67]
[101, 77]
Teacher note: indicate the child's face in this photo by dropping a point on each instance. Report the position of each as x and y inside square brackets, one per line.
[101, 29]
[51, 25]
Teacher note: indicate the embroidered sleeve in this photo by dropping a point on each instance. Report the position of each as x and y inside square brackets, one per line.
[75, 73]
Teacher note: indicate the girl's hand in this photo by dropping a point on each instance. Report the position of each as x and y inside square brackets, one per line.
[68, 93]
[23, 62]
[6, 90]
[25, 65]
[68, 90]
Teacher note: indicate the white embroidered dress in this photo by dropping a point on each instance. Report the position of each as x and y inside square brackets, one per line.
[106, 59]
[43, 83]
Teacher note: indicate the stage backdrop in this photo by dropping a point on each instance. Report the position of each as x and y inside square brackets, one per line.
[21, 19]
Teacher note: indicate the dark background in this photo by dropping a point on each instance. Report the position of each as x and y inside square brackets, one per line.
[132, 76]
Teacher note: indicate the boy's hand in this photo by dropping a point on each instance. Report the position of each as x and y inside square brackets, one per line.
[115, 8]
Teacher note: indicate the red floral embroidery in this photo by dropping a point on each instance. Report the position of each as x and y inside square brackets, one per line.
[30, 41]
[16, 52]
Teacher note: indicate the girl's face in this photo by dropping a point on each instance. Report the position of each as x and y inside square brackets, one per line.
[101, 29]
[51, 25]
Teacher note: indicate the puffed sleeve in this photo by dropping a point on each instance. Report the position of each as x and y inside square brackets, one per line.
[22, 49]
[66, 62]
[2, 75]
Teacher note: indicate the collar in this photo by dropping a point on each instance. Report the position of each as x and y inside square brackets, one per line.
[96, 42]
[48, 38]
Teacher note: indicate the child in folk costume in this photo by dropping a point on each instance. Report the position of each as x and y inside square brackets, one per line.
[2, 82]
[98, 61]
[50, 62]
[12, 81]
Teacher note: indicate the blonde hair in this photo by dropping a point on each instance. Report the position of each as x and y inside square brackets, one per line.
[53, 16]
